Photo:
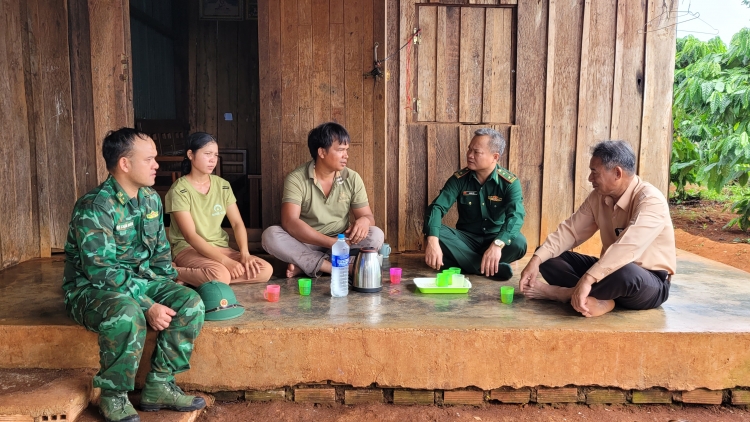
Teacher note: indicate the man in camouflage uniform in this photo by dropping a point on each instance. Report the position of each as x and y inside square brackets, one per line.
[490, 214]
[119, 276]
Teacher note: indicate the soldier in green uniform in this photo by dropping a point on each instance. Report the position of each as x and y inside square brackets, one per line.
[490, 214]
[119, 276]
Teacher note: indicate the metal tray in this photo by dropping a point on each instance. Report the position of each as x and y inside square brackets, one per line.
[427, 285]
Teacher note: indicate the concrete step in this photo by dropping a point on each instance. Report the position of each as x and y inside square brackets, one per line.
[31, 395]
[91, 413]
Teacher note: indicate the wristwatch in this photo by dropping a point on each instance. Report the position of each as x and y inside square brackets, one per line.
[499, 243]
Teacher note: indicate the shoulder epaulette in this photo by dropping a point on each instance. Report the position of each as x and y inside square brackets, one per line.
[461, 173]
[148, 190]
[183, 190]
[505, 174]
[225, 187]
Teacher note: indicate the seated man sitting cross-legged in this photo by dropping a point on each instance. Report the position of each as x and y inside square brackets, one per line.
[638, 249]
[318, 197]
[487, 236]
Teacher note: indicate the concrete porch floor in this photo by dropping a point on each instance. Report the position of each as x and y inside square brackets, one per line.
[700, 338]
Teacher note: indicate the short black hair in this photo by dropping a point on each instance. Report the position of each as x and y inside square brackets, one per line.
[194, 142]
[324, 135]
[119, 143]
[615, 153]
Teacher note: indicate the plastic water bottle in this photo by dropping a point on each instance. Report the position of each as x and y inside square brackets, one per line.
[340, 268]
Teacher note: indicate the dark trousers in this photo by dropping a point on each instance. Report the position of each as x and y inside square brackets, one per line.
[631, 286]
[465, 250]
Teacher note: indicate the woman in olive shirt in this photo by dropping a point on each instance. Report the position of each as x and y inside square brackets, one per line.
[197, 203]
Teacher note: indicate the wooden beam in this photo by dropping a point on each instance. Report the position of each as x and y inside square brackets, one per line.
[426, 63]
[560, 131]
[447, 60]
[472, 65]
[530, 106]
[656, 135]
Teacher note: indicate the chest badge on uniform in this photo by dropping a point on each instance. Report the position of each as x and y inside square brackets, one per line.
[494, 198]
[152, 215]
[469, 192]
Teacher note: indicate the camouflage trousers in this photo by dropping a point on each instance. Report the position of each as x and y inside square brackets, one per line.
[121, 325]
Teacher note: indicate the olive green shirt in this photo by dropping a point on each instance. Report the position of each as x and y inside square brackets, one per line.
[207, 210]
[493, 209]
[327, 215]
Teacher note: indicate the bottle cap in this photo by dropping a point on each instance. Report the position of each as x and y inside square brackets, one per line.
[341, 236]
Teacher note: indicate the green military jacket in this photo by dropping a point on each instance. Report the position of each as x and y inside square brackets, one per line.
[492, 209]
[117, 244]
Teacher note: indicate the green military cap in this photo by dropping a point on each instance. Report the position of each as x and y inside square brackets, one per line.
[220, 301]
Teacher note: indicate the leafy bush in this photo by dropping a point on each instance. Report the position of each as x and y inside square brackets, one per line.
[711, 111]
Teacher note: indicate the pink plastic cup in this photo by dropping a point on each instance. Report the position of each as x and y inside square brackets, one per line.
[272, 292]
[395, 275]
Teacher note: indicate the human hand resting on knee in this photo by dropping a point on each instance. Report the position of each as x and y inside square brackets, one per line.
[251, 264]
[529, 274]
[159, 316]
[358, 231]
[236, 269]
[491, 260]
[433, 255]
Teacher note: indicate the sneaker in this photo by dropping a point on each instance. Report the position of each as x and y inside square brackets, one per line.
[167, 395]
[115, 407]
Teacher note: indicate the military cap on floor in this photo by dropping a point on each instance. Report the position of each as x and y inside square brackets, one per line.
[220, 301]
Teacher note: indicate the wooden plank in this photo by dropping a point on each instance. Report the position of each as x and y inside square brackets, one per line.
[315, 395]
[447, 60]
[595, 97]
[505, 132]
[703, 396]
[353, 106]
[407, 397]
[606, 396]
[560, 131]
[363, 396]
[366, 12]
[337, 11]
[656, 134]
[338, 75]
[392, 82]
[471, 65]
[207, 101]
[226, 85]
[530, 100]
[82, 101]
[443, 159]
[248, 100]
[514, 160]
[269, 46]
[305, 88]
[321, 77]
[497, 66]
[652, 396]
[304, 12]
[426, 64]
[353, 36]
[406, 25]
[627, 98]
[192, 50]
[378, 121]
[290, 129]
[294, 155]
[13, 120]
[30, 38]
[416, 174]
[265, 395]
[464, 397]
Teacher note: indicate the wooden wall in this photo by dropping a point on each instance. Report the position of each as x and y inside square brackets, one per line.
[222, 61]
[313, 57]
[583, 72]
[65, 78]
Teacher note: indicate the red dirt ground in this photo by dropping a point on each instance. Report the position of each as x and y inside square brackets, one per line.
[289, 411]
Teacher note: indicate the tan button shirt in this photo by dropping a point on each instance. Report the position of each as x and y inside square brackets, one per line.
[328, 215]
[636, 229]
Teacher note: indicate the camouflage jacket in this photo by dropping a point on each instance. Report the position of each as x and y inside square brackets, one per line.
[117, 244]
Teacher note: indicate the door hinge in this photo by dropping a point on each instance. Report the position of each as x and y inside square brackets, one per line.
[417, 36]
[417, 105]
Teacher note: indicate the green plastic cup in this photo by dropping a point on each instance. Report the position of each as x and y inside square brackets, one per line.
[458, 280]
[506, 294]
[456, 270]
[304, 286]
[443, 279]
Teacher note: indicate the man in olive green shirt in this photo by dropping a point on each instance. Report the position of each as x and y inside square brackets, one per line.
[490, 214]
[318, 197]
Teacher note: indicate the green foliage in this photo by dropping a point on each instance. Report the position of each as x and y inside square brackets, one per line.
[711, 112]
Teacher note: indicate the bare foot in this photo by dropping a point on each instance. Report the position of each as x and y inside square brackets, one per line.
[292, 271]
[540, 290]
[598, 307]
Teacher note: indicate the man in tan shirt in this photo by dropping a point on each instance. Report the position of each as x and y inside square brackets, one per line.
[638, 248]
